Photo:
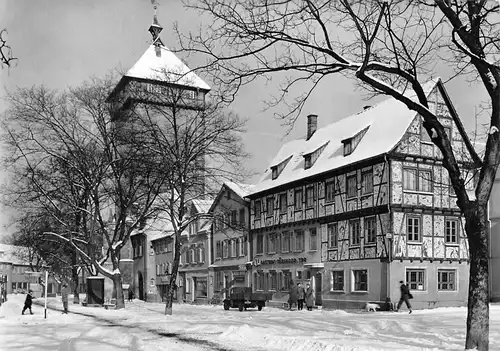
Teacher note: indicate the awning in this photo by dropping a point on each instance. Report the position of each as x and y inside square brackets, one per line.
[314, 265]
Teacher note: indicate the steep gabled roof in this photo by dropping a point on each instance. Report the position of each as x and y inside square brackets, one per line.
[242, 190]
[387, 122]
[202, 206]
[166, 67]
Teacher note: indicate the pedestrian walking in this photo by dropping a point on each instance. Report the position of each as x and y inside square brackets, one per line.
[292, 299]
[28, 302]
[64, 297]
[405, 296]
[300, 296]
[309, 297]
[130, 294]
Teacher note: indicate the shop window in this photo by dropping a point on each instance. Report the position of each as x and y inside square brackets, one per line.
[360, 280]
[313, 239]
[354, 232]
[352, 186]
[333, 235]
[451, 231]
[415, 278]
[447, 280]
[287, 278]
[298, 199]
[413, 228]
[370, 228]
[201, 287]
[299, 275]
[337, 280]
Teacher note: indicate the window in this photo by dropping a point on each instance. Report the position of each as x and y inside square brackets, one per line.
[307, 161]
[347, 147]
[287, 278]
[298, 199]
[283, 203]
[451, 231]
[243, 246]
[242, 218]
[273, 281]
[201, 254]
[225, 249]
[218, 281]
[260, 244]
[285, 242]
[270, 206]
[370, 230]
[352, 190]
[310, 196]
[333, 238]
[447, 280]
[413, 228]
[271, 243]
[218, 250]
[367, 183]
[257, 208]
[192, 252]
[337, 281]
[274, 171]
[330, 191]
[360, 280]
[313, 239]
[415, 278]
[354, 232]
[237, 249]
[170, 246]
[299, 241]
[409, 179]
[233, 248]
[233, 217]
[422, 182]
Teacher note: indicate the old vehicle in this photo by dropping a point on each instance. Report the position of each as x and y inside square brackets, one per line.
[243, 298]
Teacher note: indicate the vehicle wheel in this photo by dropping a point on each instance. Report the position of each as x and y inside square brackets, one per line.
[260, 307]
[226, 306]
[241, 307]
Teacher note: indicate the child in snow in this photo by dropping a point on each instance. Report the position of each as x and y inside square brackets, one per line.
[64, 296]
[28, 302]
[405, 296]
[309, 298]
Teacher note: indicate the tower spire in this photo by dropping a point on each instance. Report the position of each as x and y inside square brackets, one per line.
[155, 27]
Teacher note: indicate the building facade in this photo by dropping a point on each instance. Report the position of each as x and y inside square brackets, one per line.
[229, 241]
[357, 206]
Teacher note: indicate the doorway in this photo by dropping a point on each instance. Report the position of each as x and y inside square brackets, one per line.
[318, 284]
[141, 287]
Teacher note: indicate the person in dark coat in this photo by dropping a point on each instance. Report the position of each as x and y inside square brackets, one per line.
[64, 297]
[309, 297]
[28, 302]
[301, 296]
[130, 294]
[292, 299]
[405, 296]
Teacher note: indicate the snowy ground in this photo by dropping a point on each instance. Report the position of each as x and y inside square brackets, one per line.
[142, 326]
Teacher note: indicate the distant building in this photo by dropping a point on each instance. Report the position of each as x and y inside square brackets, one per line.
[230, 240]
[360, 204]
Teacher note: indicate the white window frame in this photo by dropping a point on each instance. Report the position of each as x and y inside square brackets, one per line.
[336, 226]
[457, 231]
[365, 230]
[332, 289]
[425, 280]
[447, 270]
[233, 248]
[419, 239]
[242, 246]
[351, 233]
[353, 279]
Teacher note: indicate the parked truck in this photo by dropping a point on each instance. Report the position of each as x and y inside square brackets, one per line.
[243, 298]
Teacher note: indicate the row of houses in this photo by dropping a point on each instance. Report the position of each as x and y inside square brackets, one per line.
[352, 208]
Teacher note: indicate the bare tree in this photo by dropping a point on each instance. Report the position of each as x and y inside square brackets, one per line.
[387, 46]
[6, 58]
[199, 143]
[70, 162]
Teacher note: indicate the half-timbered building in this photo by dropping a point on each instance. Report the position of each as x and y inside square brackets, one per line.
[361, 204]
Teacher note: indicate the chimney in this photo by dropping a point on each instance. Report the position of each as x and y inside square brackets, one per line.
[312, 125]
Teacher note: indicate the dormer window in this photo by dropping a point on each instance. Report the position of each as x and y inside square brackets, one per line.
[276, 170]
[351, 143]
[310, 158]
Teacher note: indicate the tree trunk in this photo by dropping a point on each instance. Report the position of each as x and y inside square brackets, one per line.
[74, 271]
[170, 299]
[477, 228]
[117, 286]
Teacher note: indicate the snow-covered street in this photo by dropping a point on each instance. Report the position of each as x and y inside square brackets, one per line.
[143, 326]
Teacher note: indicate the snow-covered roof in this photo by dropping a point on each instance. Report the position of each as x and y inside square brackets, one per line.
[242, 190]
[13, 254]
[166, 67]
[202, 206]
[387, 122]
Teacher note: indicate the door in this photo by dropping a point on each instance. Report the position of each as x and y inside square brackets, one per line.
[318, 283]
[141, 287]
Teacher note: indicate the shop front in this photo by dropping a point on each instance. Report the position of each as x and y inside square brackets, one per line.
[196, 287]
[222, 278]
